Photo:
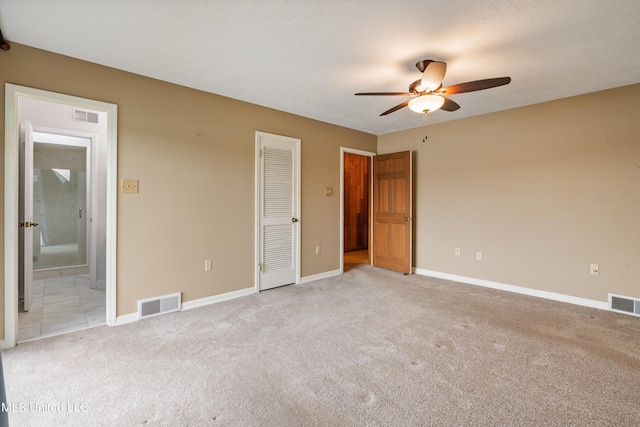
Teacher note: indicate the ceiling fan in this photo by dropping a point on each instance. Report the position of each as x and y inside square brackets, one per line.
[428, 92]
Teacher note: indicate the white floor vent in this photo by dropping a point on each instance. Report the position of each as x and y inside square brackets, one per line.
[159, 305]
[622, 304]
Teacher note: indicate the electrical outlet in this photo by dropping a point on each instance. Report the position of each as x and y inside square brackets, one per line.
[328, 191]
[595, 269]
[207, 265]
[317, 250]
[479, 256]
[457, 251]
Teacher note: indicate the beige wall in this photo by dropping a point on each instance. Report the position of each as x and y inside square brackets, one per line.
[542, 191]
[193, 153]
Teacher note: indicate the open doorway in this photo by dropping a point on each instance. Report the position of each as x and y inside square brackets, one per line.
[62, 176]
[356, 198]
[61, 281]
[75, 144]
[62, 235]
[389, 226]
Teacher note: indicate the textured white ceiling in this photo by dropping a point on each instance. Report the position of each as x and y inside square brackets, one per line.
[310, 57]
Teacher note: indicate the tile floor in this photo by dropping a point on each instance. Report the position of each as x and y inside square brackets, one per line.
[59, 305]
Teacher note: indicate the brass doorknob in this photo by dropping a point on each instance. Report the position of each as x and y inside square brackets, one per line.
[28, 224]
[294, 219]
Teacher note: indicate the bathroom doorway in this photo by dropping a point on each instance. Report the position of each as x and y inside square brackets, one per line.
[60, 111]
[60, 287]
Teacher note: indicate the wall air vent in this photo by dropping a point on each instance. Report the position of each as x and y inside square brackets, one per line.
[83, 116]
[622, 304]
[159, 305]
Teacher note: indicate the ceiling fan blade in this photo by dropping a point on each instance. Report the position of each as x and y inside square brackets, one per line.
[422, 65]
[476, 85]
[396, 108]
[433, 75]
[449, 105]
[384, 93]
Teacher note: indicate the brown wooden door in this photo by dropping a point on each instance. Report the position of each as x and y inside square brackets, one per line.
[392, 230]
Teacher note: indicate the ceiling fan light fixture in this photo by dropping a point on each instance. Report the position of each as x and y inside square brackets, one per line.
[426, 103]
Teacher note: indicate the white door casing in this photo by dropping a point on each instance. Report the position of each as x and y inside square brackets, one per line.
[11, 202]
[277, 210]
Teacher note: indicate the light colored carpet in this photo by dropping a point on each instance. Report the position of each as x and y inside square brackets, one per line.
[368, 348]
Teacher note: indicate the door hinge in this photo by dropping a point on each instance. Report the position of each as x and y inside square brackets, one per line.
[261, 152]
[261, 267]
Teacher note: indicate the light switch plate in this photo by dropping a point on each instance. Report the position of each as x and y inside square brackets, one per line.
[328, 191]
[130, 186]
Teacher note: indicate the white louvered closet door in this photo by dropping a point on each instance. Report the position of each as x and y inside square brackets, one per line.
[279, 208]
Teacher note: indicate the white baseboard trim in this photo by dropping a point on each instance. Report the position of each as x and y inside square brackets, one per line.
[325, 275]
[601, 305]
[218, 298]
[133, 317]
[126, 318]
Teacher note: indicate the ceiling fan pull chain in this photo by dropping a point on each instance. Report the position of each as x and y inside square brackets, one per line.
[425, 128]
